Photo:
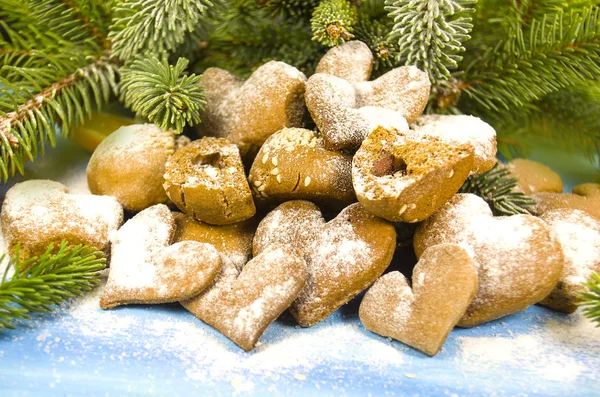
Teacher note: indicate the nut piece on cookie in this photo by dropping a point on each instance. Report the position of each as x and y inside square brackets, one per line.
[403, 178]
[458, 130]
[233, 242]
[293, 164]
[129, 165]
[242, 304]
[351, 61]
[519, 260]
[579, 234]
[248, 112]
[443, 284]
[37, 213]
[534, 177]
[206, 180]
[145, 268]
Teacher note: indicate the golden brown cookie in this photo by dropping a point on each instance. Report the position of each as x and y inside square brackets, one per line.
[344, 256]
[248, 112]
[129, 165]
[588, 190]
[351, 61]
[519, 259]
[534, 177]
[460, 130]
[145, 268]
[293, 164]
[233, 242]
[346, 112]
[444, 282]
[206, 180]
[405, 178]
[579, 235]
[552, 201]
[241, 305]
[37, 213]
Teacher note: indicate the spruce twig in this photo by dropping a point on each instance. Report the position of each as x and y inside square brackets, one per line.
[496, 188]
[590, 299]
[333, 22]
[41, 282]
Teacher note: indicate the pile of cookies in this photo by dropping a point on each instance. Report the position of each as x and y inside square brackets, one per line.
[261, 215]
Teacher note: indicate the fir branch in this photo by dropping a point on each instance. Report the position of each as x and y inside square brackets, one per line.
[496, 188]
[544, 57]
[431, 34]
[159, 26]
[162, 93]
[333, 21]
[41, 282]
[375, 34]
[590, 299]
[34, 99]
[290, 10]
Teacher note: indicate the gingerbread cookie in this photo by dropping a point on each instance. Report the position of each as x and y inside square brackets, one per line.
[533, 177]
[241, 305]
[444, 282]
[351, 61]
[36, 213]
[519, 259]
[145, 268]
[588, 190]
[233, 242]
[129, 165]
[461, 130]
[293, 164]
[547, 201]
[206, 180]
[338, 106]
[344, 256]
[579, 234]
[248, 112]
[404, 178]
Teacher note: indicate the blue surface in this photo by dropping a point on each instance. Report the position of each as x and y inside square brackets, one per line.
[164, 350]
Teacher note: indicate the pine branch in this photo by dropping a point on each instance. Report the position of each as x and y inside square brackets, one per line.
[290, 10]
[162, 93]
[590, 299]
[333, 21]
[34, 99]
[536, 60]
[496, 188]
[159, 26]
[39, 283]
[375, 32]
[431, 33]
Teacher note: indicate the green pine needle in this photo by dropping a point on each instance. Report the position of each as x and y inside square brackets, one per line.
[162, 93]
[333, 22]
[39, 283]
[590, 299]
[496, 188]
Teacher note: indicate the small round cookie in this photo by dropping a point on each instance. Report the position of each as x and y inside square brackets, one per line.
[547, 201]
[405, 179]
[462, 129]
[533, 177]
[294, 165]
[36, 213]
[579, 234]
[129, 165]
[588, 190]
[206, 180]
[351, 61]
[233, 242]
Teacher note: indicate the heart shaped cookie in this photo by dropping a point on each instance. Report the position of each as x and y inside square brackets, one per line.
[519, 260]
[36, 213]
[351, 61]
[248, 112]
[241, 305]
[338, 106]
[579, 235]
[145, 268]
[206, 180]
[293, 164]
[459, 130]
[444, 282]
[534, 177]
[344, 256]
[232, 242]
[404, 178]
